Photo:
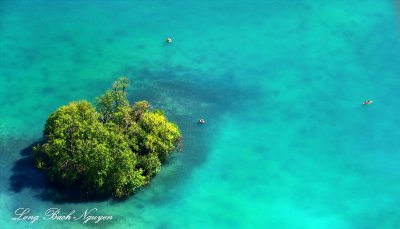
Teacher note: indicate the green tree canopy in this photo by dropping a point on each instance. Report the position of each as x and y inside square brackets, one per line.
[110, 150]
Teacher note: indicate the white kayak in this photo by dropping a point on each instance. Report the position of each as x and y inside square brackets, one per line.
[368, 102]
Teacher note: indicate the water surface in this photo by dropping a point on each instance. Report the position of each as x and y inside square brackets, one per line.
[287, 143]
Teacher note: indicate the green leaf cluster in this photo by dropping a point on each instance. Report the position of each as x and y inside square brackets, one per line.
[107, 150]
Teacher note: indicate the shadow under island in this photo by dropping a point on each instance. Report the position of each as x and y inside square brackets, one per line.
[26, 176]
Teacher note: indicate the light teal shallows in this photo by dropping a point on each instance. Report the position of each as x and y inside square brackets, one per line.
[287, 143]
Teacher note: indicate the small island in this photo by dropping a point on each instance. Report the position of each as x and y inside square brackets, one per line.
[108, 150]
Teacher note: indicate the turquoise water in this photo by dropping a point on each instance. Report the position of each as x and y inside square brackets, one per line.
[287, 143]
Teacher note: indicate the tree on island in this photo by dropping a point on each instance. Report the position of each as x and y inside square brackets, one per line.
[108, 150]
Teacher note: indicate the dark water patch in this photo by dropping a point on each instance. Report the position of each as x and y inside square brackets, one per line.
[25, 175]
[182, 83]
[192, 91]
[62, 195]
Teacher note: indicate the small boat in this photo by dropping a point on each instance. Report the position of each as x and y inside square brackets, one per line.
[368, 102]
[201, 121]
[169, 40]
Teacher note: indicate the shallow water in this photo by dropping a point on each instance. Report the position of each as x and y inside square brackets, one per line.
[287, 143]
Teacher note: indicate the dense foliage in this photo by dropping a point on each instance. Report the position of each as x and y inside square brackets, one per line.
[110, 150]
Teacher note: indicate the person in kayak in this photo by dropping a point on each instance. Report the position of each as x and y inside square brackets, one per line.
[368, 102]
